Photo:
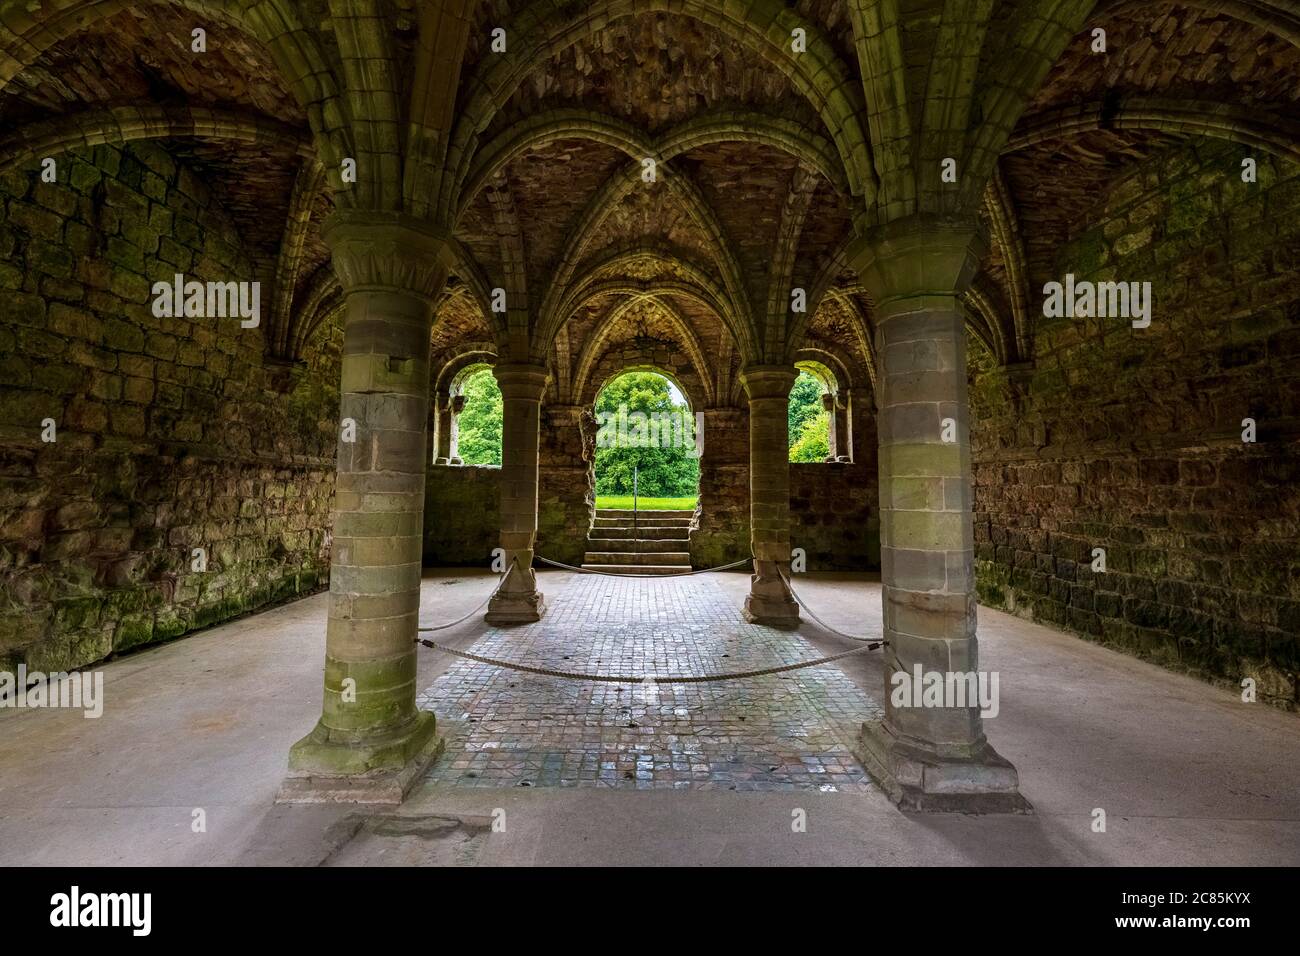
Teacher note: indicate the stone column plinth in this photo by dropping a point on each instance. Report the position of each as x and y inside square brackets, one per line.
[769, 601]
[518, 601]
[927, 757]
[371, 742]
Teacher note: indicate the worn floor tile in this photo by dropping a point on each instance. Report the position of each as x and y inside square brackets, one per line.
[788, 731]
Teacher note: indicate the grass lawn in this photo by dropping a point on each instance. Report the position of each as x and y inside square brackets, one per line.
[624, 502]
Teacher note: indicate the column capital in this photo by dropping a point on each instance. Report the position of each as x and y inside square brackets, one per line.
[918, 256]
[388, 251]
[563, 414]
[768, 381]
[521, 380]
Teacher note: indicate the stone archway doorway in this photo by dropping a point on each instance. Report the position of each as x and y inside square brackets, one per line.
[645, 470]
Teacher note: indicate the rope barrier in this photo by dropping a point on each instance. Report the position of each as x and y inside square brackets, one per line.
[648, 678]
[874, 643]
[462, 620]
[616, 574]
[867, 645]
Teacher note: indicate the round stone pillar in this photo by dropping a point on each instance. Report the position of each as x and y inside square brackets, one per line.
[769, 601]
[371, 742]
[926, 753]
[518, 601]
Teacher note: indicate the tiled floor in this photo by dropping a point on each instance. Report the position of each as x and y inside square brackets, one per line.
[779, 732]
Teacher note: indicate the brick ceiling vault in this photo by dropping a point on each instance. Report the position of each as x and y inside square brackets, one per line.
[768, 161]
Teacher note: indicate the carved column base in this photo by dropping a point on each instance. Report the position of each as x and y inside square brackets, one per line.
[919, 779]
[326, 769]
[508, 609]
[517, 601]
[769, 601]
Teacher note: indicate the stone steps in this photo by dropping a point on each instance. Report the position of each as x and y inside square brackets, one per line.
[679, 559]
[642, 546]
[641, 522]
[641, 534]
[626, 514]
[659, 543]
[636, 568]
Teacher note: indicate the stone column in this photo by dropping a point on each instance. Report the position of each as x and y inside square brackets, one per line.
[442, 454]
[927, 757]
[453, 442]
[828, 405]
[768, 388]
[371, 742]
[843, 424]
[518, 600]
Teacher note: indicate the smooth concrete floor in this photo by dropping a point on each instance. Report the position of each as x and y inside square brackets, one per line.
[1187, 773]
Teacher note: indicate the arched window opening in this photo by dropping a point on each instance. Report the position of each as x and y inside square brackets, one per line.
[645, 442]
[809, 419]
[476, 428]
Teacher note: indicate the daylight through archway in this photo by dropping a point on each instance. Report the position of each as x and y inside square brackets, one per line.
[646, 475]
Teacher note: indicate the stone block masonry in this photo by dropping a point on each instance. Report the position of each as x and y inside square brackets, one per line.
[835, 515]
[462, 514]
[1131, 440]
[172, 433]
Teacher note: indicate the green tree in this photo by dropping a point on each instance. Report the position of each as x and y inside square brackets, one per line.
[805, 405]
[814, 440]
[479, 441]
[664, 472]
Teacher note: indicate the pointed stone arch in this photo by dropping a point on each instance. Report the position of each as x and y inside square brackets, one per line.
[26, 33]
[738, 315]
[765, 27]
[594, 347]
[808, 146]
[1251, 127]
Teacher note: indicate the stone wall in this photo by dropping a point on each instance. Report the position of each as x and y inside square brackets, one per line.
[566, 488]
[171, 434]
[835, 506]
[462, 514]
[835, 515]
[1130, 440]
[721, 534]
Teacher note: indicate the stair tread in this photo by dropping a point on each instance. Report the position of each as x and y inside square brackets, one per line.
[605, 557]
[637, 568]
